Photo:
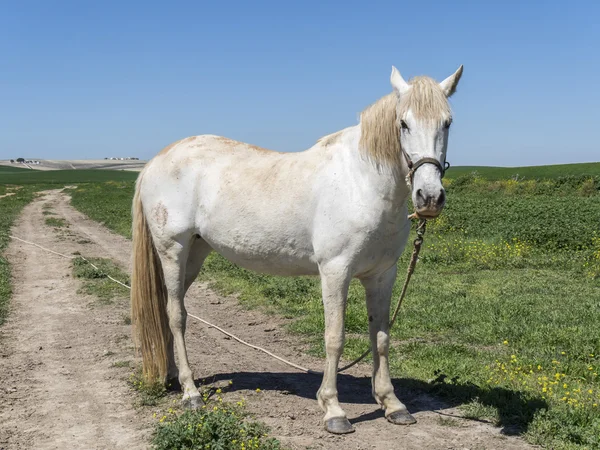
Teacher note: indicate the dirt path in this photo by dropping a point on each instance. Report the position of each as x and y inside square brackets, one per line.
[58, 388]
[68, 391]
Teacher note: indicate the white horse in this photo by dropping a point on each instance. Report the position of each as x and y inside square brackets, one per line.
[337, 210]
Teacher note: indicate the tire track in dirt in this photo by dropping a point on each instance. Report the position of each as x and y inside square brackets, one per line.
[287, 399]
[58, 388]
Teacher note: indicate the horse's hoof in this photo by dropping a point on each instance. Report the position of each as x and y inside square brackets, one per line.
[339, 425]
[192, 402]
[401, 417]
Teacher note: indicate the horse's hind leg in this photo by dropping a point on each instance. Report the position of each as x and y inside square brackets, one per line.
[198, 252]
[174, 255]
[379, 292]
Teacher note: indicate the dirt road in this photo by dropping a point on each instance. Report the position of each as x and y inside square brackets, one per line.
[59, 389]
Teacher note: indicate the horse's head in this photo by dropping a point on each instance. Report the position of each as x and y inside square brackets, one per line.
[424, 119]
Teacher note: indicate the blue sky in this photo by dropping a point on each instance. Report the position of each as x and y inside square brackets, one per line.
[95, 79]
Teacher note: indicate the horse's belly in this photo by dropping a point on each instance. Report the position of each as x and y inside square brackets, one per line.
[283, 259]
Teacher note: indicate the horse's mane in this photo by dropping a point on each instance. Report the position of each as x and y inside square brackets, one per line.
[380, 133]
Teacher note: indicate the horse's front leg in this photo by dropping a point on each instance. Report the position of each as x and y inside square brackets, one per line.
[379, 293]
[334, 283]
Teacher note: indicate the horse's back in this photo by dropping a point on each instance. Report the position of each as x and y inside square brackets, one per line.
[252, 205]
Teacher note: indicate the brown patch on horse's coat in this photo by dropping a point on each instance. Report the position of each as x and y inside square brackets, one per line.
[168, 148]
[160, 215]
[225, 140]
[331, 138]
[258, 149]
[232, 142]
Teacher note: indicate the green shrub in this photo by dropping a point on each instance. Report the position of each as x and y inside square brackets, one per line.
[222, 427]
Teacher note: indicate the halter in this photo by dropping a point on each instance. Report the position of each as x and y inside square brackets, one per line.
[412, 167]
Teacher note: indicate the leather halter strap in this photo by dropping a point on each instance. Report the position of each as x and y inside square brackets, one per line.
[412, 167]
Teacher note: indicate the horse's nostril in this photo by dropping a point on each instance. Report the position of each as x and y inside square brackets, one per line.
[420, 194]
[442, 197]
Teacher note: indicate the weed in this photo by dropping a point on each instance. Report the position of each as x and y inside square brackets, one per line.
[56, 222]
[475, 409]
[150, 393]
[448, 422]
[96, 281]
[121, 364]
[217, 426]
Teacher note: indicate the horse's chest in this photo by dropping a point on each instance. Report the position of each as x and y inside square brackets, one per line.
[381, 243]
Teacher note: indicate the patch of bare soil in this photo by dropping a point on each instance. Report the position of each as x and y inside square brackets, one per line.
[286, 401]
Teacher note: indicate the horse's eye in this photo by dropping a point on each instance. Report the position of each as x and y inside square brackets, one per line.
[448, 123]
[403, 125]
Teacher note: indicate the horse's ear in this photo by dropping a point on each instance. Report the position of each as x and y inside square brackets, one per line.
[450, 83]
[398, 83]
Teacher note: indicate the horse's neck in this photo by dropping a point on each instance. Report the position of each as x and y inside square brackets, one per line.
[383, 181]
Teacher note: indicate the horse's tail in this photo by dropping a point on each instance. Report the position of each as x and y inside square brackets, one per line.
[151, 331]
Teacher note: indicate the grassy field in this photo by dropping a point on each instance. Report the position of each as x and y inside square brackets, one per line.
[24, 183]
[528, 173]
[16, 175]
[502, 317]
[11, 170]
[10, 207]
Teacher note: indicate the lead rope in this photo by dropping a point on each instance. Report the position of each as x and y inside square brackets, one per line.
[411, 269]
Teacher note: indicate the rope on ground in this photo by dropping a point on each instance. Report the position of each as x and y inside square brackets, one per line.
[71, 257]
[411, 267]
[303, 369]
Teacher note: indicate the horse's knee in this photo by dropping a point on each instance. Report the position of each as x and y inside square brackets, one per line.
[334, 342]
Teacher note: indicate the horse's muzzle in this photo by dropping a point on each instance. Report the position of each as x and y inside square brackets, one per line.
[429, 205]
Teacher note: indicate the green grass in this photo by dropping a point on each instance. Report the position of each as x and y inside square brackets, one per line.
[530, 172]
[149, 393]
[502, 315]
[108, 203]
[120, 364]
[221, 426]
[56, 222]
[216, 424]
[10, 207]
[12, 169]
[96, 281]
[62, 177]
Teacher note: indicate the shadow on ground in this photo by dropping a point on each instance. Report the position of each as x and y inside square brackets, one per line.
[515, 411]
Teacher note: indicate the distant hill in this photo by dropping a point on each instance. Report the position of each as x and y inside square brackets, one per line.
[78, 164]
